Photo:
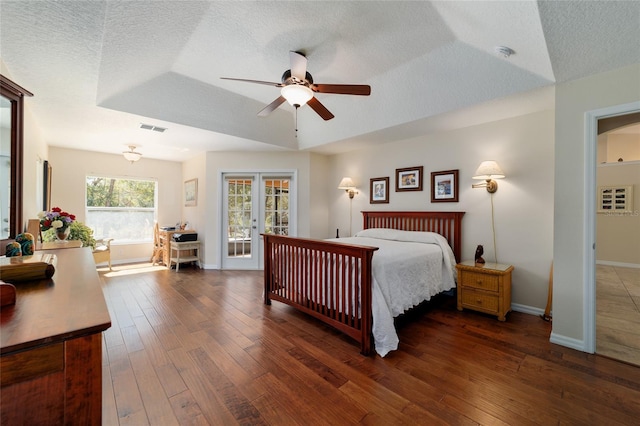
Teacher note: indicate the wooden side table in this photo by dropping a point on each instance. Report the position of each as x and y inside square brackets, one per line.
[485, 288]
[178, 256]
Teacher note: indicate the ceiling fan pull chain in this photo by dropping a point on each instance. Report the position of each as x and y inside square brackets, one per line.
[297, 120]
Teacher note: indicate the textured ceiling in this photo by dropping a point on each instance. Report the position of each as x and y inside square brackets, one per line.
[100, 68]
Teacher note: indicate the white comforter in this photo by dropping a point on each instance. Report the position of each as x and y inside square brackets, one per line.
[409, 267]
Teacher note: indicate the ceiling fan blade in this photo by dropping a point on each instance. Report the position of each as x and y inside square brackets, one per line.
[323, 112]
[343, 89]
[271, 107]
[268, 83]
[298, 65]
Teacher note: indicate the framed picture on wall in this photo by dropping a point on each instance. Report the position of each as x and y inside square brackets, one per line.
[191, 192]
[615, 199]
[379, 190]
[409, 179]
[444, 186]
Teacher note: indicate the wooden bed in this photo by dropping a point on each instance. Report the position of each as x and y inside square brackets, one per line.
[311, 275]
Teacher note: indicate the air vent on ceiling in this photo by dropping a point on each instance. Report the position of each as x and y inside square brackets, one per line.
[152, 127]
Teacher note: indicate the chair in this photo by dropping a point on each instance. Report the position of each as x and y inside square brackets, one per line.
[158, 246]
[102, 252]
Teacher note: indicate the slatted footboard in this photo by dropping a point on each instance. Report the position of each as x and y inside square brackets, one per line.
[314, 275]
[330, 281]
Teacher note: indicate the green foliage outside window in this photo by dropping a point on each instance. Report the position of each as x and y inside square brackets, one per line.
[112, 192]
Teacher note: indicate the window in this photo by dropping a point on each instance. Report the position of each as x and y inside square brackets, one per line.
[122, 209]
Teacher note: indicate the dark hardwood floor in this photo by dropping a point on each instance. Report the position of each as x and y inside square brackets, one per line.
[199, 347]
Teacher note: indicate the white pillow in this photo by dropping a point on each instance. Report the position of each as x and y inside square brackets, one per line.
[399, 235]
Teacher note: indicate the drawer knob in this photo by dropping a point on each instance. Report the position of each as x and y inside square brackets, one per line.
[479, 302]
[479, 281]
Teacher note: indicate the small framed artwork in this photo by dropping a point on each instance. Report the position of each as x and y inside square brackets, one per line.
[379, 190]
[444, 186]
[191, 192]
[615, 199]
[409, 179]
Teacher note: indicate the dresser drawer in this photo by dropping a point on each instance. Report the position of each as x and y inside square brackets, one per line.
[480, 301]
[480, 281]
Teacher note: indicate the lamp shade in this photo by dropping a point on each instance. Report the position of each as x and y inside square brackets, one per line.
[488, 170]
[296, 94]
[132, 155]
[346, 183]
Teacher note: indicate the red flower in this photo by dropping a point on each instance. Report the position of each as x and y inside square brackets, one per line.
[72, 216]
[46, 223]
[56, 209]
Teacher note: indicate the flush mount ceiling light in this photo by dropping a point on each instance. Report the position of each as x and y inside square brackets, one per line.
[132, 155]
[504, 51]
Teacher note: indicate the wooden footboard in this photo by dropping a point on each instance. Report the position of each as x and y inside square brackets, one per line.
[328, 280]
[313, 275]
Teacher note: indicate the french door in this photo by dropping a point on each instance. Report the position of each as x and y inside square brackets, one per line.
[254, 203]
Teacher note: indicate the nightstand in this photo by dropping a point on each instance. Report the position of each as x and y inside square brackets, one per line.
[485, 288]
[178, 256]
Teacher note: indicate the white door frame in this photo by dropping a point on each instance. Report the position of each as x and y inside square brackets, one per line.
[589, 251]
[261, 173]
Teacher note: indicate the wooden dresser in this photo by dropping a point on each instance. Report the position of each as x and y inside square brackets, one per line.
[485, 288]
[51, 346]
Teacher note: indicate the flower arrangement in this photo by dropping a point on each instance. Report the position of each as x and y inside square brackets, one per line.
[56, 219]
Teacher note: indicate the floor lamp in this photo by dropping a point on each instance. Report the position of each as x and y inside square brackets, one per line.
[347, 184]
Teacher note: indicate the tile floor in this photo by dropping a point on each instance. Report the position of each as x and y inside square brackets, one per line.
[618, 313]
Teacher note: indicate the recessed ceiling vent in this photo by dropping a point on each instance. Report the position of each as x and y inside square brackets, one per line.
[152, 127]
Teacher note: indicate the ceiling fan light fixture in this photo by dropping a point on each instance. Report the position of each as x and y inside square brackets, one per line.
[132, 155]
[296, 94]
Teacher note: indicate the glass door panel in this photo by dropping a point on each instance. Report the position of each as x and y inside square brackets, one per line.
[276, 205]
[241, 224]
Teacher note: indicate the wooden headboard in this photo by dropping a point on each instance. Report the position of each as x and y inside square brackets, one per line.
[447, 224]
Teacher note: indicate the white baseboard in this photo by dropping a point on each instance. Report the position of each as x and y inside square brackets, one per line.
[569, 342]
[531, 310]
[206, 266]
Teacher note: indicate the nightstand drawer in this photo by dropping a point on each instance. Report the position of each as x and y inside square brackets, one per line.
[479, 300]
[480, 281]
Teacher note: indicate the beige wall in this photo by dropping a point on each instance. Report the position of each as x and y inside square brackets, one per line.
[35, 152]
[612, 147]
[196, 216]
[523, 146]
[618, 235]
[70, 168]
[217, 162]
[573, 100]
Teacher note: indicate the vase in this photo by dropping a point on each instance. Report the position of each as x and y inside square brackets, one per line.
[62, 235]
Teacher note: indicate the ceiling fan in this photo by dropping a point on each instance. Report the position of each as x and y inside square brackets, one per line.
[298, 88]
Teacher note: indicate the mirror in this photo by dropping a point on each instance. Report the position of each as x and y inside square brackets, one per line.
[11, 164]
[5, 167]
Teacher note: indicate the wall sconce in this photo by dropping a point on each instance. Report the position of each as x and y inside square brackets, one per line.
[132, 155]
[488, 170]
[347, 184]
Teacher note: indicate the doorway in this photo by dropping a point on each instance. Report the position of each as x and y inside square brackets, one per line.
[592, 119]
[618, 239]
[254, 203]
